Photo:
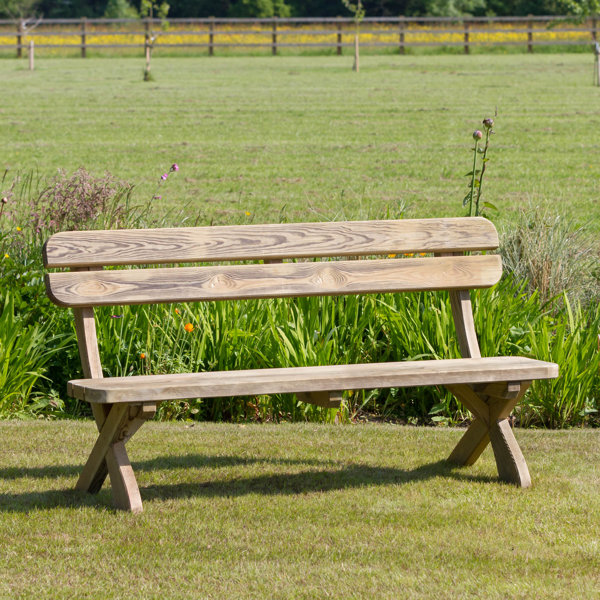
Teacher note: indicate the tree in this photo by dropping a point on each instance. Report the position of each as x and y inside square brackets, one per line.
[358, 11]
[120, 9]
[17, 9]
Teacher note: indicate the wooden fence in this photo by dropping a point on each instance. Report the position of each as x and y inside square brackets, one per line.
[211, 34]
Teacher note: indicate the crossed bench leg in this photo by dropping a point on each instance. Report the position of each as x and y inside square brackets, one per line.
[491, 405]
[116, 423]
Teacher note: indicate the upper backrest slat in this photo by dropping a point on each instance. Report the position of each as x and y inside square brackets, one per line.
[225, 282]
[250, 242]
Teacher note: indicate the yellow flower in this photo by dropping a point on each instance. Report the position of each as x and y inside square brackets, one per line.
[248, 213]
[422, 253]
[409, 254]
[391, 256]
[189, 327]
[6, 256]
[177, 311]
[18, 229]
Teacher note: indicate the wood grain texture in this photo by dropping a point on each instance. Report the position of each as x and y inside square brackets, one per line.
[462, 312]
[156, 388]
[511, 464]
[150, 286]
[275, 241]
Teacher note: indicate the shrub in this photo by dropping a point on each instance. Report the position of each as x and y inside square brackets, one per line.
[550, 255]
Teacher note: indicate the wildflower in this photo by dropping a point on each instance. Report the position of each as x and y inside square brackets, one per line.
[248, 213]
[116, 316]
[422, 253]
[18, 229]
[477, 135]
[174, 167]
[164, 176]
[409, 254]
[4, 200]
[488, 123]
[156, 197]
[189, 327]
[142, 356]
[6, 256]
[391, 256]
[177, 311]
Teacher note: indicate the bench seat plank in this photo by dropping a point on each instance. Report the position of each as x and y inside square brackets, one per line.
[270, 241]
[187, 284]
[156, 388]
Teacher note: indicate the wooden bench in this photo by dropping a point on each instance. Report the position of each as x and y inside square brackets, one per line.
[276, 267]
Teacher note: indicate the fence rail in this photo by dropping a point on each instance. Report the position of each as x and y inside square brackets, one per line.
[209, 34]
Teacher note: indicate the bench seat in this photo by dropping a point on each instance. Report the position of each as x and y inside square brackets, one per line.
[157, 388]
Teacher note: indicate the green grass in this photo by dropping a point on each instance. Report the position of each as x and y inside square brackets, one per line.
[298, 511]
[305, 138]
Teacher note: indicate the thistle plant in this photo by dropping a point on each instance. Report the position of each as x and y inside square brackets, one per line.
[480, 160]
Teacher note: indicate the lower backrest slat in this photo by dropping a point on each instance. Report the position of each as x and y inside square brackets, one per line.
[187, 284]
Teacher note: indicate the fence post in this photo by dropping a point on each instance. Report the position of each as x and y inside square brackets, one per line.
[466, 25]
[274, 37]
[339, 37]
[83, 38]
[211, 36]
[530, 36]
[20, 29]
[31, 58]
[597, 63]
[401, 26]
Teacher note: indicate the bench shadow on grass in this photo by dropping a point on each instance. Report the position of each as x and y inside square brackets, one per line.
[333, 475]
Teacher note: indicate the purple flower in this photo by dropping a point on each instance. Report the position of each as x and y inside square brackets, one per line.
[174, 167]
[488, 123]
[164, 176]
[116, 316]
[477, 135]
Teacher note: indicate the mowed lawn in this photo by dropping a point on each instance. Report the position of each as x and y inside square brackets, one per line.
[306, 138]
[298, 511]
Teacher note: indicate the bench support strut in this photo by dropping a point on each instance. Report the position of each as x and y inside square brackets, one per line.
[116, 425]
[491, 405]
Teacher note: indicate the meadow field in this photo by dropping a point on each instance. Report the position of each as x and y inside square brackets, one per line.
[305, 138]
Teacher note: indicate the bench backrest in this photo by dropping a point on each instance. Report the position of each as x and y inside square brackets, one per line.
[439, 258]
[431, 242]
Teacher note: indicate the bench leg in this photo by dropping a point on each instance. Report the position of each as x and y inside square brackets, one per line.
[491, 406]
[108, 456]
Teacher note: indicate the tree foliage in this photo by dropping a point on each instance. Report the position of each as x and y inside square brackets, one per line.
[298, 8]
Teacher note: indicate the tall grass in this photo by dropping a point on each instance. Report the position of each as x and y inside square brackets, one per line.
[511, 318]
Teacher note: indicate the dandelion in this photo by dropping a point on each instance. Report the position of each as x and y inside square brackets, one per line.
[174, 167]
[18, 229]
[248, 213]
[189, 327]
[6, 256]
